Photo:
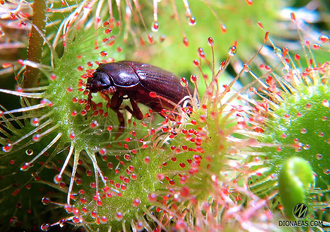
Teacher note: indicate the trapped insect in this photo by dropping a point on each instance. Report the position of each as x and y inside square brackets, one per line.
[135, 81]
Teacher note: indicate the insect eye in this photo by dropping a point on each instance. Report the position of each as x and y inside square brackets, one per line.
[102, 79]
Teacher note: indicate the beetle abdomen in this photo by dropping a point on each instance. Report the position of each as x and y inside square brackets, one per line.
[162, 82]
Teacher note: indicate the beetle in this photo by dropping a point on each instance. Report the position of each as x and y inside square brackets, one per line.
[135, 81]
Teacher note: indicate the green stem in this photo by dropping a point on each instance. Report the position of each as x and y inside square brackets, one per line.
[35, 43]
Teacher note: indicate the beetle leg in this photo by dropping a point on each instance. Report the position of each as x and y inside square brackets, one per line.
[115, 104]
[89, 100]
[105, 96]
[136, 112]
[121, 120]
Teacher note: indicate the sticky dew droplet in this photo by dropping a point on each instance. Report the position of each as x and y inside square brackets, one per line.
[210, 41]
[303, 131]
[192, 21]
[45, 227]
[223, 28]
[153, 94]
[185, 42]
[318, 156]
[306, 147]
[57, 179]
[119, 216]
[232, 51]
[7, 147]
[45, 200]
[155, 26]
[325, 103]
[246, 67]
[201, 53]
[29, 152]
[150, 39]
[183, 82]
[25, 166]
[324, 38]
[36, 138]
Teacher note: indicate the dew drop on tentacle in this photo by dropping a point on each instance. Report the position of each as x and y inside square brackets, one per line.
[150, 39]
[324, 38]
[223, 28]
[196, 62]
[45, 227]
[119, 216]
[136, 202]
[102, 151]
[25, 166]
[192, 21]
[7, 147]
[139, 226]
[306, 147]
[153, 94]
[94, 124]
[246, 67]
[232, 51]
[201, 53]
[29, 152]
[326, 103]
[185, 41]
[320, 134]
[162, 38]
[193, 78]
[35, 121]
[210, 41]
[103, 219]
[72, 136]
[318, 156]
[107, 31]
[249, 2]
[103, 53]
[155, 26]
[303, 131]
[36, 137]
[45, 201]
[57, 179]
[183, 82]
[53, 77]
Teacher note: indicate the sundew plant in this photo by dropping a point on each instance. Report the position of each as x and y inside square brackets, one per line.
[247, 145]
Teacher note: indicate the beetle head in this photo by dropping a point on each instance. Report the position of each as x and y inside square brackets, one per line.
[100, 81]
